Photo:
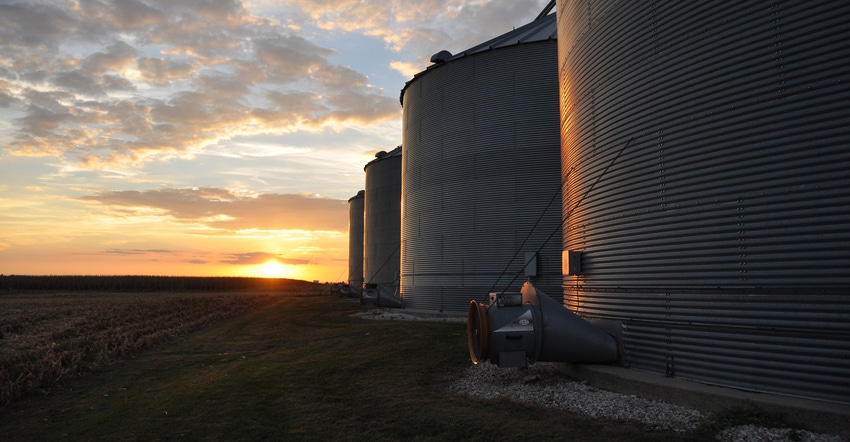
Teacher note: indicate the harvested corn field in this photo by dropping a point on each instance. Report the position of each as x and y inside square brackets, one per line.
[48, 336]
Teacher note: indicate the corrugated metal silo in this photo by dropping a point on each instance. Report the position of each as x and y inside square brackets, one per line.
[480, 178]
[382, 213]
[708, 145]
[355, 242]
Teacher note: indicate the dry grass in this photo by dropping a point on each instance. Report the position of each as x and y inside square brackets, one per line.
[47, 337]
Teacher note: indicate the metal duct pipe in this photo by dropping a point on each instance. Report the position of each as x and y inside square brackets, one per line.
[384, 295]
[517, 328]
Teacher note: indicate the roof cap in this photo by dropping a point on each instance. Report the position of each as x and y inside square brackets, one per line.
[384, 155]
[360, 194]
[441, 57]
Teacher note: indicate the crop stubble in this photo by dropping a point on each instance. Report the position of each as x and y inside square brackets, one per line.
[45, 337]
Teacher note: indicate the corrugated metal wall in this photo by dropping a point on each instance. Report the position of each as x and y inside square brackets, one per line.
[355, 241]
[480, 167]
[382, 214]
[709, 144]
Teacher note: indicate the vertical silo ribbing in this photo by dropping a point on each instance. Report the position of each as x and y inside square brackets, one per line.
[382, 214]
[355, 242]
[709, 145]
[480, 168]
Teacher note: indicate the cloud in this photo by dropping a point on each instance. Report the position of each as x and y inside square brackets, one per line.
[119, 84]
[116, 57]
[223, 209]
[398, 39]
[254, 258]
[419, 29]
[134, 14]
[127, 82]
[248, 258]
[405, 68]
[7, 98]
[158, 71]
[33, 25]
[361, 108]
[286, 58]
[90, 84]
[137, 251]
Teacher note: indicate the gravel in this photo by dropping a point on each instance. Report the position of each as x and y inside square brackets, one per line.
[752, 433]
[543, 385]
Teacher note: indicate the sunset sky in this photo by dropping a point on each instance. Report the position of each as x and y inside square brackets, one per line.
[195, 137]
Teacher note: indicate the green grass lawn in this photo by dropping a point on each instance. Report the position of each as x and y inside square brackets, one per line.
[297, 368]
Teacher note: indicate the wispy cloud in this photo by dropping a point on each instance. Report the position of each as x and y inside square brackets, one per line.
[254, 258]
[223, 209]
[250, 258]
[421, 28]
[136, 251]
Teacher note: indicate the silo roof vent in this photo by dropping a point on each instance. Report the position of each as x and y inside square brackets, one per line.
[360, 194]
[441, 57]
[384, 155]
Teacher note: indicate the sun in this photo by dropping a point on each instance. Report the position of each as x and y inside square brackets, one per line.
[271, 269]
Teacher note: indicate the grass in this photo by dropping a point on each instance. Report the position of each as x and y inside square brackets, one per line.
[746, 415]
[296, 368]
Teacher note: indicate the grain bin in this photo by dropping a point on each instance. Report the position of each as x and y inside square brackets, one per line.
[480, 172]
[382, 229]
[355, 244]
[706, 206]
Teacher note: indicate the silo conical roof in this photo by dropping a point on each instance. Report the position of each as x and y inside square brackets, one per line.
[542, 29]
